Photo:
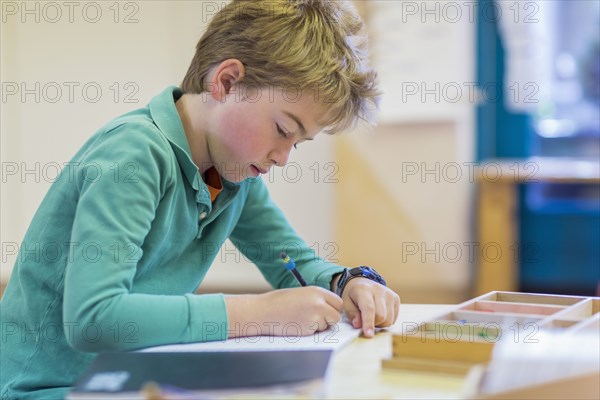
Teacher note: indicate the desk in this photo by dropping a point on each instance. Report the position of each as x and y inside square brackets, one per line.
[355, 371]
[498, 211]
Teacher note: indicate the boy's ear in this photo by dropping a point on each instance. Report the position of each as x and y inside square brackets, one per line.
[224, 77]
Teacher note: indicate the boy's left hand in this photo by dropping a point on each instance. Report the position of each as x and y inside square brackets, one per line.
[368, 304]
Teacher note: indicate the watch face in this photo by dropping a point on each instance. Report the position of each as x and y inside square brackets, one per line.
[367, 272]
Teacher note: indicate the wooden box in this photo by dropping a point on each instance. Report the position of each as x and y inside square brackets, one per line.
[462, 341]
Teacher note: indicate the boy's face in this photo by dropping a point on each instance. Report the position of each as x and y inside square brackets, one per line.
[253, 130]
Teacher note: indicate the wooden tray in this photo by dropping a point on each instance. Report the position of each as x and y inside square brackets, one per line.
[462, 341]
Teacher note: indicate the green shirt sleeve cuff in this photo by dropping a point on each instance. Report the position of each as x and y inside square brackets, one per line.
[208, 317]
[323, 278]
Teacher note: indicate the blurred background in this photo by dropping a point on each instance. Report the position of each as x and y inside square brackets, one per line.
[482, 174]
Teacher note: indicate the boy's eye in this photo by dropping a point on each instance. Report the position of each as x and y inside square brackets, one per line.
[280, 131]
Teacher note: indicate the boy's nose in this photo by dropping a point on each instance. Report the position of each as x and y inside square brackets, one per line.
[280, 157]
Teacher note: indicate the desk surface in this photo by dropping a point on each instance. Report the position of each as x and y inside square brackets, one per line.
[355, 371]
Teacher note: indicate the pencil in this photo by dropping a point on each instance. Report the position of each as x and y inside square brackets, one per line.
[290, 264]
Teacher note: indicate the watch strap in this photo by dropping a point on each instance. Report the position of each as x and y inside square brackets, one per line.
[358, 272]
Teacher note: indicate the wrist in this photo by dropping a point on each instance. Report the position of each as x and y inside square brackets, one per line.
[358, 272]
[334, 281]
[243, 310]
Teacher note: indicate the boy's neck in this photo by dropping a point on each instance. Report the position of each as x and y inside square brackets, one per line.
[191, 112]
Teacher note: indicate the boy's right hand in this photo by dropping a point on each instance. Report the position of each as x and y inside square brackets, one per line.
[284, 312]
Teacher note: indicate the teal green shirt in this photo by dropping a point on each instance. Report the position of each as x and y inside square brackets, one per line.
[118, 246]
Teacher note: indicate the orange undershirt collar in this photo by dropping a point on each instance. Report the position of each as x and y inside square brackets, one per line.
[213, 182]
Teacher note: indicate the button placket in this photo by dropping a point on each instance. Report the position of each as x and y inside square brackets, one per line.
[201, 217]
[203, 200]
[204, 209]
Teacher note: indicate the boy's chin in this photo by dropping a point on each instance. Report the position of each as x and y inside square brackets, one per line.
[240, 178]
[253, 171]
[239, 175]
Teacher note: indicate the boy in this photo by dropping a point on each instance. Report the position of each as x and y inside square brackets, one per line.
[131, 229]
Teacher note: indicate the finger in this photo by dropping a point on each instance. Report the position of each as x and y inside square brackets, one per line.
[332, 317]
[381, 312]
[357, 320]
[392, 304]
[323, 325]
[367, 311]
[396, 307]
[352, 313]
[329, 318]
[333, 299]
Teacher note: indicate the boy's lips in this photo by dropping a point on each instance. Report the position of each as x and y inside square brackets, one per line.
[258, 170]
[261, 170]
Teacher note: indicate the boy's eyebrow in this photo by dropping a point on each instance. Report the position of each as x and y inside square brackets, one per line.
[292, 116]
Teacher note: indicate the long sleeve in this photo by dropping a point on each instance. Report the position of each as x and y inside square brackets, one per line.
[114, 254]
[120, 194]
[262, 232]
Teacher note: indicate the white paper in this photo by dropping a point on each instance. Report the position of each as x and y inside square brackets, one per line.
[334, 338]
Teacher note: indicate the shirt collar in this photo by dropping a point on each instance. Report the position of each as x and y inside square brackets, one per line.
[165, 116]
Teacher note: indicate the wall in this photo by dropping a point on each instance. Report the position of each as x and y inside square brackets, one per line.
[405, 196]
[148, 48]
[342, 194]
[112, 68]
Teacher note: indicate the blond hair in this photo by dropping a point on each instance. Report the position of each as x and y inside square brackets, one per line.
[300, 44]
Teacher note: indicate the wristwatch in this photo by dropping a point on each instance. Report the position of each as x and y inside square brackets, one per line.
[358, 272]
